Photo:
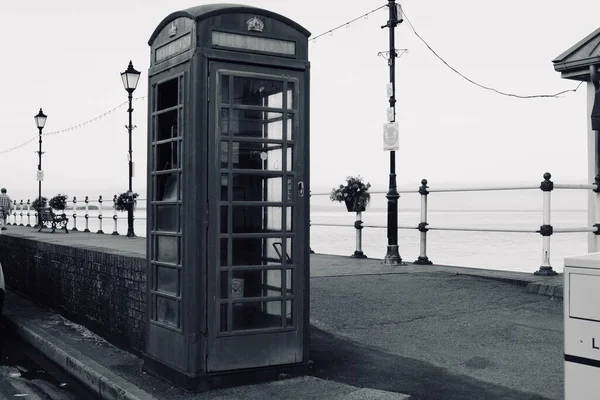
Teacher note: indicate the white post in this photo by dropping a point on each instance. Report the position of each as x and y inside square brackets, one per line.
[358, 253]
[74, 229]
[28, 213]
[21, 212]
[115, 232]
[87, 214]
[15, 213]
[546, 229]
[423, 259]
[100, 215]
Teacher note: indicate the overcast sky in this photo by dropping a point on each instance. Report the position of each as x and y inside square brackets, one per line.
[66, 56]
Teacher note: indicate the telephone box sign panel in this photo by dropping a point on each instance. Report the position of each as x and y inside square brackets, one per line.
[246, 42]
[173, 48]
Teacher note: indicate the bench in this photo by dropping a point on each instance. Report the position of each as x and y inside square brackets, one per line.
[47, 218]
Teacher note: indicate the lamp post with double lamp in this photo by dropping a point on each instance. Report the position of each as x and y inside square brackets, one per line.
[130, 79]
[40, 121]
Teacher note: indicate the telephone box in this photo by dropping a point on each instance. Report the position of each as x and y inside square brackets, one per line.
[228, 183]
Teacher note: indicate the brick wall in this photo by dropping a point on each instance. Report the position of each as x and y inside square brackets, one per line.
[104, 292]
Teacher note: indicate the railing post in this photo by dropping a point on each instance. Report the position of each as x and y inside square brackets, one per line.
[15, 213]
[546, 229]
[423, 259]
[74, 229]
[21, 212]
[358, 253]
[597, 210]
[100, 216]
[115, 232]
[28, 214]
[87, 214]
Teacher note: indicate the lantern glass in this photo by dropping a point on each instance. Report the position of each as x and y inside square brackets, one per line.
[40, 119]
[130, 78]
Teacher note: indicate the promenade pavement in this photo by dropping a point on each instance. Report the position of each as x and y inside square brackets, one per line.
[377, 332]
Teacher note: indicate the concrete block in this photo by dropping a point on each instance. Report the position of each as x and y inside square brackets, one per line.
[542, 289]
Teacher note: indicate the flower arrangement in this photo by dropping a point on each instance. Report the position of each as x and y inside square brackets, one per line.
[35, 204]
[355, 193]
[58, 202]
[122, 201]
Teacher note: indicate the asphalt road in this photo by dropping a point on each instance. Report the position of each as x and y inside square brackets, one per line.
[26, 374]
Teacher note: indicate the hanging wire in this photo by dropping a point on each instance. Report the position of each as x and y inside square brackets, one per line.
[72, 128]
[347, 24]
[555, 95]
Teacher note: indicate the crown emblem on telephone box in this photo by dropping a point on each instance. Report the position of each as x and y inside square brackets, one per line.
[255, 24]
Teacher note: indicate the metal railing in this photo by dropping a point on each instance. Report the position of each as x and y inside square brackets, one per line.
[23, 209]
[546, 230]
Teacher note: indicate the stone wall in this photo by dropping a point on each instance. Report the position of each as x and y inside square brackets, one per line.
[103, 291]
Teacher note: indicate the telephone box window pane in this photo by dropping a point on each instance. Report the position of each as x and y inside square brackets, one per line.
[289, 159]
[223, 318]
[166, 156]
[289, 216]
[166, 249]
[223, 252]
[288, 250]
[167, 187]
[257, 251]
[167, 311]
[256, 283]
[289, 313]
[224, 122]
[289, 282]
[224, 154]
[224, 187]
[224, 283]
[167, 218]
[258, 156]
[167, 280]
[257, 92]
[167, 94]
[257, 124]
[290, 101]
[167, 125]
[224, 219]
[257, 188]
[290, 127]
[253, 219]
[256, 315]
[225, 89]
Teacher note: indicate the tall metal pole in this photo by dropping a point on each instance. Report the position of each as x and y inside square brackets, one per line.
[130, 232]
[39, 177]
[392, 255]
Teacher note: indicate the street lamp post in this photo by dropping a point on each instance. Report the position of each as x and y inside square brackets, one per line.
[130, 79]
[40, 121]
[392, 255]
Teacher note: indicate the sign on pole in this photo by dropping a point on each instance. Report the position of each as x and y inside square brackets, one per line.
[40, 175]
[390, 114]
[391, 137]
[389, 89]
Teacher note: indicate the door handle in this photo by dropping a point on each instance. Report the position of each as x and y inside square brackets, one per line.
[301, 189]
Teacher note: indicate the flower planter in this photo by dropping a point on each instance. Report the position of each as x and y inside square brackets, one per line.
[350, 207]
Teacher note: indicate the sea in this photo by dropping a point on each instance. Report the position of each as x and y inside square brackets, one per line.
[332, 230]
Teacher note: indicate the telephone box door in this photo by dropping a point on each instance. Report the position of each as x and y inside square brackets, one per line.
[257, 201]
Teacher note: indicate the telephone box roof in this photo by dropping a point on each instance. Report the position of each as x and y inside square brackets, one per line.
[199, 13]
[574, 63]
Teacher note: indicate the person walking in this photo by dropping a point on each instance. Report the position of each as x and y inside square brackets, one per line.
[5, 207]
